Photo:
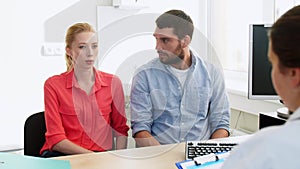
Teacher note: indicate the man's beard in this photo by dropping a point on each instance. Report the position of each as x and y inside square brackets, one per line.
[172, 58]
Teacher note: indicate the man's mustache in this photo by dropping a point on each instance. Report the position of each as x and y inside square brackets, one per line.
[164, 52]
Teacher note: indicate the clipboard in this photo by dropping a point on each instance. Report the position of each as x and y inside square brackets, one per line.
[210, 161]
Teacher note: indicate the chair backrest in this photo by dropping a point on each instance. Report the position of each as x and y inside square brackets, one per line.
[34, 134]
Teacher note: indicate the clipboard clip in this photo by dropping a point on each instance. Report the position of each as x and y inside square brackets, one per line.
[210, 158]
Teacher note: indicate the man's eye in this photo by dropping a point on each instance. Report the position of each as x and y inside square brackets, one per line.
[164, 40]
[82, 47]
[95, 46]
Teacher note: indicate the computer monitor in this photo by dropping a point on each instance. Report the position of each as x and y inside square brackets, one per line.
[259, 76]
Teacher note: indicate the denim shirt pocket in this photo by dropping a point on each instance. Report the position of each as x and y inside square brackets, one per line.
[197, 101]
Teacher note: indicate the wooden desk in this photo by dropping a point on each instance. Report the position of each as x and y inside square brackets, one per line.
[158, 157]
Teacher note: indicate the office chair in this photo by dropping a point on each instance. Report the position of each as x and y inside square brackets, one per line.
[34, 134]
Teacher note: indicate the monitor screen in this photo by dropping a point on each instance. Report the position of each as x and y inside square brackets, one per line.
[259, 76]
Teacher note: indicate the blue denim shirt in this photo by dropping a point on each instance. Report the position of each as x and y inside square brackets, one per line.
[173, 114]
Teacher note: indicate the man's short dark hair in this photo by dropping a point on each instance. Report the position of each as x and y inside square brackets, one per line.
[177, 19]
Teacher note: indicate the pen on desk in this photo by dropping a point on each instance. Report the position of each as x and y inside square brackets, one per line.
[210, 158]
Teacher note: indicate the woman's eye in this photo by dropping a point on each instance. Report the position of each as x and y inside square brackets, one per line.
[95, 46]
[81, 47]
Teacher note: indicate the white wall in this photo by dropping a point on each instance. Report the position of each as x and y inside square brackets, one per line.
[126, 34]
[25, 27]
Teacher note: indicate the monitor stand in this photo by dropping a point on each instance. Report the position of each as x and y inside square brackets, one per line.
[283, 112]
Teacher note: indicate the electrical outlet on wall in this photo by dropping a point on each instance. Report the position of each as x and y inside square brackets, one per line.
[116, 3]
[53, 49]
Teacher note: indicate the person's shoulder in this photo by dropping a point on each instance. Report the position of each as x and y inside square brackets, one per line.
[278, 134]
[57, 77]
[153, 64]
[266, 136]
[107, 77]
[272, 131]
[205, 67]
[267, 142]
[204, 63]
[251, 153]
[104, 74]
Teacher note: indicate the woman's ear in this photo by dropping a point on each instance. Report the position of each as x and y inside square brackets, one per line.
[68, 51]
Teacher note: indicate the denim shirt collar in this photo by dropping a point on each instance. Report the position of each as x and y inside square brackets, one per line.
[192, 67]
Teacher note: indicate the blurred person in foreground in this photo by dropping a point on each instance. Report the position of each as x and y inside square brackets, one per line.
[277, 147]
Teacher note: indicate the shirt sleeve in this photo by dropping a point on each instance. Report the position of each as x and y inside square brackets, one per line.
[140, 104]
[219, 104]
[55, 131]
[118, 116]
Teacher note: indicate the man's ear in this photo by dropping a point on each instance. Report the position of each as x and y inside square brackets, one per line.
[295, 76]
[186, 41]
